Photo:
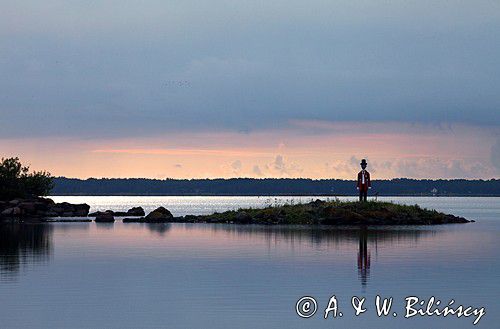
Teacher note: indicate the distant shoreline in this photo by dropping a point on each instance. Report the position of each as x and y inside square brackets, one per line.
[271, 187]
[292, 195]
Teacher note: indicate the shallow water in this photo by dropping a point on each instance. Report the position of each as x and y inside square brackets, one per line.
[89, 275]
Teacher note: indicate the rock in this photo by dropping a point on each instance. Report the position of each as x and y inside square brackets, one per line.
[28, 207]
[69, 210]
[159, 215]
[56, 209]
[7, 212]
[37, 207]
[41, 206]
[81, 210]
[12, 212]
[105, 217]
[17, 211]
[3, 205]
[136, 211]
[97, 213]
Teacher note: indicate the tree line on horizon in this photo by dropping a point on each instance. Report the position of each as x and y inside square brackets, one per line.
[17, 181]
[272, 187]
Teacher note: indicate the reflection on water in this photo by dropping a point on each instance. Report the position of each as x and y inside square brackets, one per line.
[23, 244]
[159, 228]
[138, 275]
[363, 257]
[331, 238]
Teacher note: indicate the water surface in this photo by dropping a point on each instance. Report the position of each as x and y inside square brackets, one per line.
[90, 275]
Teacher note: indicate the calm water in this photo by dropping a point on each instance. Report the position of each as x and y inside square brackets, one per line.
[88, 275]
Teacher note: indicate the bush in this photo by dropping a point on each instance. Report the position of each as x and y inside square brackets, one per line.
[16, 180]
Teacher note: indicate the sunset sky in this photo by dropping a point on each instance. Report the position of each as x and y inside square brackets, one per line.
[195, 89]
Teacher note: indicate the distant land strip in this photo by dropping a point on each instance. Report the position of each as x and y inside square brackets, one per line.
[272, 187]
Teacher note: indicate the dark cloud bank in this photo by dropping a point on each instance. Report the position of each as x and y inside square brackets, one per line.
[110, 69]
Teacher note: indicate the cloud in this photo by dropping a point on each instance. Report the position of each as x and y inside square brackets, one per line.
[178, 165]
[236, 166]
[339, 168]
[440, 168]
[419, 167]
[354, 161]
[279, 166]
[257, 171]
[495, 155]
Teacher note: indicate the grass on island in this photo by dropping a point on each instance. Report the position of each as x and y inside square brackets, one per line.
[335, 212]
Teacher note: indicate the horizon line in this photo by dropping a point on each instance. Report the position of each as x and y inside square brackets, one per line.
[277, 178]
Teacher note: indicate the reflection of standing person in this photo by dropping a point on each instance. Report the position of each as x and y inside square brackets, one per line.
[364, 182]
[363, 256]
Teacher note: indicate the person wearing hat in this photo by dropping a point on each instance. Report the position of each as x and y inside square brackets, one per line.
[364, 182]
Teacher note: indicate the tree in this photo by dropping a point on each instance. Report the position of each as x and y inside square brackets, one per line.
[16, 180]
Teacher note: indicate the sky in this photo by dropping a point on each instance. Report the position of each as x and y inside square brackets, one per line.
[205, 89]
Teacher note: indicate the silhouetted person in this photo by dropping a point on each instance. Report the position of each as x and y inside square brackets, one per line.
[363, 181]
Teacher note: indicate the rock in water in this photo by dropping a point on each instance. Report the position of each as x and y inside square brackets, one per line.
[97, 213]
[136, 211]
[81, 210]
[38, 207]
[159, 215]
[69, 210]
[13, 211]
[105, 217]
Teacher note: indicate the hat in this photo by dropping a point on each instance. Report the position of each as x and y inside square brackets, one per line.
[363, 162]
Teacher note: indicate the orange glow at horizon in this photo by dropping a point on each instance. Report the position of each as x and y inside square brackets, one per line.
[308, 149]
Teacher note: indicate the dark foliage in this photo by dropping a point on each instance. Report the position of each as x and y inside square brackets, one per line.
[16, 180]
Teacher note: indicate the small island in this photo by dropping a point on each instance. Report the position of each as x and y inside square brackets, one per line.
[316, 213]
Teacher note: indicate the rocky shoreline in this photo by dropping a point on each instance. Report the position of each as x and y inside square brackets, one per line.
[314, 213]
[41, 208]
